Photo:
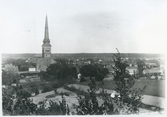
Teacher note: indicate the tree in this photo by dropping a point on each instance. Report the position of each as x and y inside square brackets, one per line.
[88, 70]
[9, 74]
[11, 69]
[124, 86]
[95, 70]
[99, 77]
[59, 70]
[140, 64]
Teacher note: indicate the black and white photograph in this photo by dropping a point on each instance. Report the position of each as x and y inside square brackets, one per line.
[83, 57]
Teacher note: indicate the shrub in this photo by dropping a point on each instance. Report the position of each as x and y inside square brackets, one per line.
[55, 85]
[19, 105]
[47, 87]
[25, 106]
[49, 107]
[82, 79]
[35, 90]
[50, 96]
[75, 90]
[89, 105]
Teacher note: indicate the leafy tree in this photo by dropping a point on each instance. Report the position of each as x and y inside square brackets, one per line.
[59, 70]
[44, 76]
[96, 70]
[105, 71]
[99, 76]
[9, 74]
[88, 70]
[74, 71]
[140, 64]
[11, 69]
[124, 86]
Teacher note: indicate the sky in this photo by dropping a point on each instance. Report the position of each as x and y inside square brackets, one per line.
[84, 26]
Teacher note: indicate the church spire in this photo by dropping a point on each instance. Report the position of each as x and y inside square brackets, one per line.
[46, 35]
[46, 46]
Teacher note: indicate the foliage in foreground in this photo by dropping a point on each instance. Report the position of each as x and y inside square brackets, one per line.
[89, 104]
[20, 104]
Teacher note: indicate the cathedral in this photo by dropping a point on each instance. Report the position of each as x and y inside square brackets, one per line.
[45, 60]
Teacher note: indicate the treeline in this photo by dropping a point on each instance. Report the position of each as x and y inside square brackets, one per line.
[64, 69]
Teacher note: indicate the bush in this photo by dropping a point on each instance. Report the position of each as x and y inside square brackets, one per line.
[25, 106]
[89, 105]
[19, 105]
[50, 96]
[35, 90]
[32, 87]
[47, 87]
[82, 79]
[75, 90]
[52, 108]
[55, 84]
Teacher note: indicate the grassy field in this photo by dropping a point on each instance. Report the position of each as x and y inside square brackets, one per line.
[154, 87]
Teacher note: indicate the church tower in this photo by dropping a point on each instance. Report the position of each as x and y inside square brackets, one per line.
[46, 46]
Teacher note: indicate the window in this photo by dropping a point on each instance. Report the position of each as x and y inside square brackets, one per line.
[47, 50]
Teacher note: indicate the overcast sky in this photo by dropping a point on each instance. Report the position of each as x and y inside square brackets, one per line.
[89, 26]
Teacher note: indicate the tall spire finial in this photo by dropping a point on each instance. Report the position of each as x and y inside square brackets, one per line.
[46, 22]
[46, 35]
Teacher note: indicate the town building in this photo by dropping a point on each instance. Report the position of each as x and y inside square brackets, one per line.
[132, 70]
[154, 72]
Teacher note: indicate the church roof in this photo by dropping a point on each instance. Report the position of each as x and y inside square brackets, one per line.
[41, 60]
[43, 63]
